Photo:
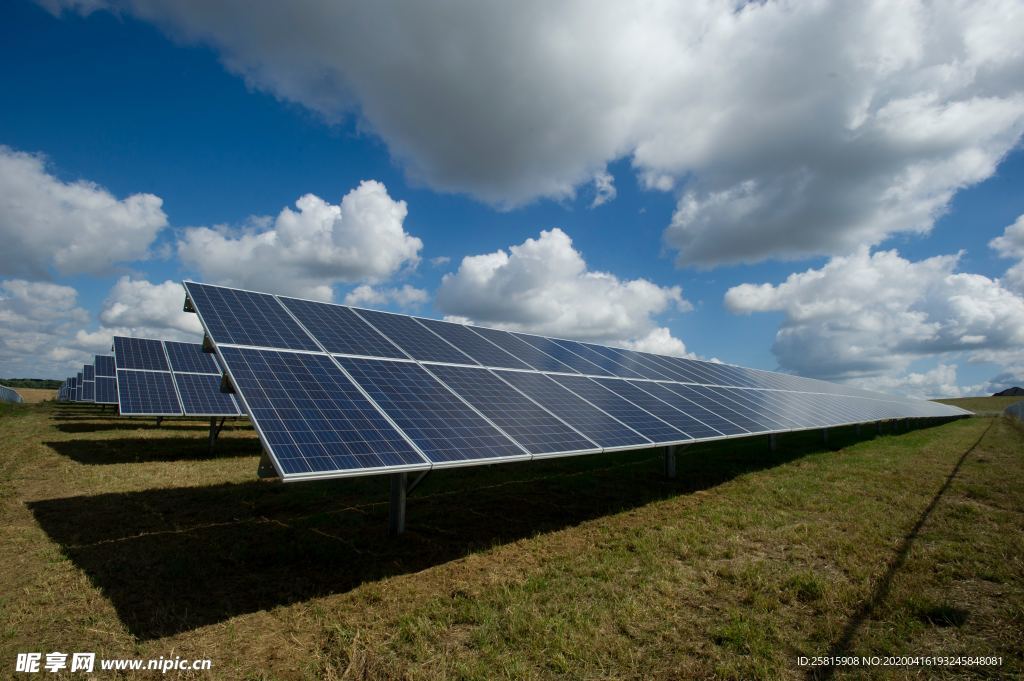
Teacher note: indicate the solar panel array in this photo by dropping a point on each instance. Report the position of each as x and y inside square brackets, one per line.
[338, 391]
[88, 383]
[167, 378]
[9, 394]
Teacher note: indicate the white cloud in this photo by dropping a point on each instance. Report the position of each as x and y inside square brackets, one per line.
[660, 341]
[440, 261]
[72, 227]
[604, 189]
[36, 320]
[789, 128]
[543, 285]
[940, 381]
[1011, 245]
[145, 308]
[305, 252]
[872, 314]
[406, 297]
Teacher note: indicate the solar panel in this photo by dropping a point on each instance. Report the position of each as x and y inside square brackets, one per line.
[201, 395]
[189, 357]
[139, 353]
[610, 366]
[105, 366]
[521, 350]
[415, 339]
[88, 391]
[78, 388]
[603, 429]
[89, 372]
[312, 420]
[483, 351]
[339, 329]
[526, 422]
[146, 393]
[246, 318]
[444, 427]
[701, 410]
[419, 393]
[640, 420]
[106, 390]
[663, 411]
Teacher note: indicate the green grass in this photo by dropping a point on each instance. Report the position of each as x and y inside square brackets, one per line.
[982, 405]
[129, 540]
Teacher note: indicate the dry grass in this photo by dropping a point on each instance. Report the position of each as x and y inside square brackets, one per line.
[130, 540]
[34, 395]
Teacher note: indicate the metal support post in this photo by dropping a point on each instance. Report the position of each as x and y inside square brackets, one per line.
[396, 516]
[670, 463]
[215, 429]
[773, 442]
[824, 436]
[159, 420]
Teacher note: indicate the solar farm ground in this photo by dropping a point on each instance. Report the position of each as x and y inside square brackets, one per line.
[129, 540]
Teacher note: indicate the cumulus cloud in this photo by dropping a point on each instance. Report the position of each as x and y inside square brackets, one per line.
[72, 227]
[940, 381]
[872, 314]
[406, 297]
[788, 129]
[1011, 245]
[306, 251]
[36, 320]
[543, 285]
[145, 308]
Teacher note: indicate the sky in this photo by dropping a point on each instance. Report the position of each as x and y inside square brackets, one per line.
[827, 189]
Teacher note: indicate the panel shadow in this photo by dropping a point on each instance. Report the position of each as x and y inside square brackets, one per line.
[142, 450]
[171, 560]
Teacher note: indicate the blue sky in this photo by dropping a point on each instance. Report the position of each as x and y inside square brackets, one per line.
[225, 124]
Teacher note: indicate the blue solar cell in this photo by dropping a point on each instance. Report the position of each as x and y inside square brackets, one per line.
[106, 390]
[201, 395]
[563, 355]
[105, 366]
[674, 417]
[89, 372]
[611, 366]
[146, 393]
[631, 360]
[745, 418]
[440, 424]
[190, 357]
[521, 350]
[757, 402]
[88, 391]
[700, 411]
[341, 330]
[246, 318]
[483, 351]
[574, 410]
[140, 353]
[528, 424]
[311, 416]
[417, 341]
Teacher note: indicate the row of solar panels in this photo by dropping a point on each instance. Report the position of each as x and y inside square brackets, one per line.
[147, 377]
[9, 395]
[338, 391]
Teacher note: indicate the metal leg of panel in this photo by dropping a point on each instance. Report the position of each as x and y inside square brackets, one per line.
[266, 469]
[396, 515]
[824, 436]
[215, 429]
[159, 420]
[670, 462]
[773, 442]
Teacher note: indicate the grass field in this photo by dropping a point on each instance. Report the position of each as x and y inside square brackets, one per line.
[131, 540]
[982, 405]
[34, 395]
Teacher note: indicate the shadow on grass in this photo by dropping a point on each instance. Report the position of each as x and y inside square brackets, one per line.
[171, 560]
[143, 450]
[93, 425]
